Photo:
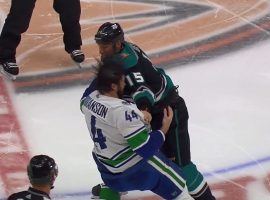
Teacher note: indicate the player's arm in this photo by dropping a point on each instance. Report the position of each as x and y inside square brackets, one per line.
[147, 117]
[89, 90]
[134, 131]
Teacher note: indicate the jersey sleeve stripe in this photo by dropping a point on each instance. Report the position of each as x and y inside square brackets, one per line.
[120, 153]
[163, 135]
[100, 156]
[138, 139]
[142, 144]
[120, 159]
[133, 133]
[162, 89]
[81, 104]
[152, 145]
[114, 165]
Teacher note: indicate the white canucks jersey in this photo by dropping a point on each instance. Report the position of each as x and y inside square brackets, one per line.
[117, 129]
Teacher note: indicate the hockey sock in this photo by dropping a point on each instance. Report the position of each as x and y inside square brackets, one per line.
[109, 194]
[205, 195]
[197, 186]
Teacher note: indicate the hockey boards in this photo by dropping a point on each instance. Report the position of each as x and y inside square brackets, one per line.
[13, 147]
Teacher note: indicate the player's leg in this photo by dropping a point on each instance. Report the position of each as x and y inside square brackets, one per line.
[103, 191]
[69, 13]
[178, 141]
[16, 23]
[158, 174]
[171, 184]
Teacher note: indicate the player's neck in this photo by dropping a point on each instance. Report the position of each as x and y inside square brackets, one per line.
[45, 189]
[111, 94]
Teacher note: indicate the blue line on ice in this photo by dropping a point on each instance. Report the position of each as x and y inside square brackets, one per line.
[206, 174]
[238, 167]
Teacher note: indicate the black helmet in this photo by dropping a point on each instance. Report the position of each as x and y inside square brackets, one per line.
[109, 33]
[42, 170]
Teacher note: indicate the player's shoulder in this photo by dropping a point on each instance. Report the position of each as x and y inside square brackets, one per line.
[127, 107]
[120, 105]
[128, 115]
[128, 56]
[111, 104]
[30, 194]
[108, 101]
[19, 195]
[133, 46]
[127, 103]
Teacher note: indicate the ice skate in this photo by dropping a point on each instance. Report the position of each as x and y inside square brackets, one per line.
[9, 69]
[78, 57]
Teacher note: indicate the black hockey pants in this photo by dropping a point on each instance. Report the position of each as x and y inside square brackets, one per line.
[18, 19]
[177, 143]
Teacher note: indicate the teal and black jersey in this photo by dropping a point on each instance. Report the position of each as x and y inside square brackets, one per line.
[150, 87]
[145, 83]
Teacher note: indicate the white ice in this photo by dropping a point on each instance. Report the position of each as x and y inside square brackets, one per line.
[229, 105]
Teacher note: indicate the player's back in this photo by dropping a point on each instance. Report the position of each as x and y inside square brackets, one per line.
[104, 117]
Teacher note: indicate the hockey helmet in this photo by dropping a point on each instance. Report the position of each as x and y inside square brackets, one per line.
[109, 33]
[42, 169]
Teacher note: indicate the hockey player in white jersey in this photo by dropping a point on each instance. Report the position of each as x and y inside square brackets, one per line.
[126, 153]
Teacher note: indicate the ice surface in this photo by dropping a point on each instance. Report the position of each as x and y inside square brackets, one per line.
[227, 95]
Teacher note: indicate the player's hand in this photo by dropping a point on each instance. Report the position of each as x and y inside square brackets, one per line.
[167, 119]
[147, 117]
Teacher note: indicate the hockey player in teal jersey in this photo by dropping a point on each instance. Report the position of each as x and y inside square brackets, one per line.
[126, 153]
[152, 90]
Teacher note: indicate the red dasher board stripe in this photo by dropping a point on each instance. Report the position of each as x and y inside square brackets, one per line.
[14, 153]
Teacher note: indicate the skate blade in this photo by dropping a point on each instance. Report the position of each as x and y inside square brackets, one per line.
[97, 197]
[7, 75]
[79, 65]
